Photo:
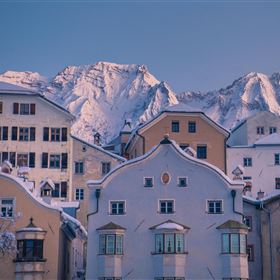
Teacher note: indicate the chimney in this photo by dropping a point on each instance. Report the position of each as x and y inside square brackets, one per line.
[97, 139]
[260, 195]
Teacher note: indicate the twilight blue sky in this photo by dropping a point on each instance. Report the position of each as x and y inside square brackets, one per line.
[193, 45]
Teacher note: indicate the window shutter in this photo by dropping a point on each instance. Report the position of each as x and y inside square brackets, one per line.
[14, 133]
[15, 108]
[63, 189]
[45, 158]
[32, 160]
[5, 133]
[32, 108]
[1, 107]
[32, 133]
[13, 158]
[46, 134]
[64, 160]
[64, 134]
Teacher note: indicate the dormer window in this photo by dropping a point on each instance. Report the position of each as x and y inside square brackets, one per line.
[182, 182]
[148, 182]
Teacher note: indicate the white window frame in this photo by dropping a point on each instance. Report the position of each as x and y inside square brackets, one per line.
[6, 206]
[23, 134]
[260, 130]
[166, 200]
[79, 162]
[144, 181]
[215, 200]
[272, 129]
[117, 201]
[79, 192]
[182, 177]
[245, 161]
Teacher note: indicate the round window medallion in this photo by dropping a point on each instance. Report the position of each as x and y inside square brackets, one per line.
[165, 178]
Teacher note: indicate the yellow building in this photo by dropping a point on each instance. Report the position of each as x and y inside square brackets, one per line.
[189, 129]
[50, 242]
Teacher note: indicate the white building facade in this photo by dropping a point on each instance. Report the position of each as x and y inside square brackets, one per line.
[166, 216]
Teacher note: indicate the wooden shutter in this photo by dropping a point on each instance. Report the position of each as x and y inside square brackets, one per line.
[32, 133]
[5, 133]
[14, 133]
[45, 159]
[15, 108]
[32, 160]
[64, 160]
[46, 134]
[32, 108]
[64, 134]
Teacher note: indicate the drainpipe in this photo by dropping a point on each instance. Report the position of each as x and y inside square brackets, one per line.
[97, 196]
[270, 237]
[225, 151]
[143, 141]
[233, 194]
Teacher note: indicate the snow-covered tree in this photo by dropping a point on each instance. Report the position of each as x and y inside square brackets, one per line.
[7, 239]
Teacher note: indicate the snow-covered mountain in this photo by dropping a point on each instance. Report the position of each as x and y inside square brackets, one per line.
[103, 95]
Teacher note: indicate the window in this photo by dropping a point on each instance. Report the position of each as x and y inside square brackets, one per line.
[277, 159]
[15, 108]
[169, 278]
[1, 107]
[175, 126]
[169, 243]
[23, 134]
[215, 206]
[46, 132]
[184, 146]
[22, 160]
[105, 167]
[201, 151]
[111, 244]
[247, 162]
[233, 243]
[148, 182]
[24, 109]
[182, 181]
[54, 161]
[3, 133]
[64, 134]
[192, 127]
[45, 160]
[64, 160]
[166, 206]
[79, 194]
[277, 183]
[11, 157]
[260, 130]
[14, 133]
[79, 167]
[60, 189]
[30, 250]
[32, 133]
[250, 252]
[55, 134]
[272, 129]
[248, 222]
[7, 208]
[117, 207]
[247, 178]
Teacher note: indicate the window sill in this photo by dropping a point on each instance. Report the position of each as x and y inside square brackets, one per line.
[111, 214]
[234, 254]
[168, 254]
[166, 213]
[220, 213]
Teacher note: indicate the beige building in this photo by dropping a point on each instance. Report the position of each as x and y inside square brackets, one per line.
[49, 242]
[35, 138]
[188, 129]
[89, 161]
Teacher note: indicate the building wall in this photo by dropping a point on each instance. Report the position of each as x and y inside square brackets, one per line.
[46, 115]
[239, 136]
[46, 218]
[254, 238]
[263, 170]
[205, 134]
[92, 159]
[202, 241]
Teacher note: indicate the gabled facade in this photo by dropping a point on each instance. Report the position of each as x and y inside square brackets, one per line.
[188, 129]
[35, 138]
[166, 215]
[50, 243]
[89, 161]
[259, 125]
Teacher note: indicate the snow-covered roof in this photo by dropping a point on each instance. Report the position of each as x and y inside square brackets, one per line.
[272, 139]
[66, 204]
[170, 224]
[11, 87]
[274, 195]
[49, 182]
[99, 148]
[177, 148]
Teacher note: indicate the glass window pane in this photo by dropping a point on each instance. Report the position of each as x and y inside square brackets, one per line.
[119, 244]
[234, 243]
[179, 243]
[242, 243]
[102, 242]
[225, 243]
[169, 243]
[159, 243]
[110, 244]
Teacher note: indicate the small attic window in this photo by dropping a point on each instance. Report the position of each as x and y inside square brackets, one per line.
[182, 182]
[148, 182]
